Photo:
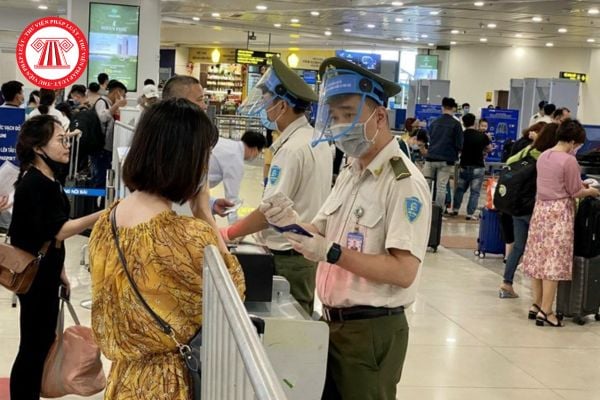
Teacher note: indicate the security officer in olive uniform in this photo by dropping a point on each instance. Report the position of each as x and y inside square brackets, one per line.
[370, 236]
[299, 172]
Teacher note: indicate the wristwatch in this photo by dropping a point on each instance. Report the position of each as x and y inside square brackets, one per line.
[334, 253]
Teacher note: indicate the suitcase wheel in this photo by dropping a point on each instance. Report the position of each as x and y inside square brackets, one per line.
[579, 320]
[597, 317]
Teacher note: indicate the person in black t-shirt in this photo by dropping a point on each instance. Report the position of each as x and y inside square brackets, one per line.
[40, 216]
[472, 166]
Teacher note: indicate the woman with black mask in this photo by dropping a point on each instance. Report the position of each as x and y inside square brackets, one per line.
[40, 220]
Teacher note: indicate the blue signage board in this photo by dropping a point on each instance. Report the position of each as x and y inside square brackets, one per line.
[370, 61]
[427, 113]
[502, 126]
[11, 119]
[85, 192]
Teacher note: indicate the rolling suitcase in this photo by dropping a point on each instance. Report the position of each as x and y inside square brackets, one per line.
[490, 235]
[81, 205]
[587, 228]
[435, 230]
[580, 296]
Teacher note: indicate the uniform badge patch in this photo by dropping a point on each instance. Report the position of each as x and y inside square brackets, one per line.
[274, 175]
[413, 207]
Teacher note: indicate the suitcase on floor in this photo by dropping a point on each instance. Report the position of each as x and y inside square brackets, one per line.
[80, 205]
[580, 296]
[490, 234]
[435, 231]
[587, 228]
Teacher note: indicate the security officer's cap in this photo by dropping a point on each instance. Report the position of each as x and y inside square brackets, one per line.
[293, 84]
[388, 88]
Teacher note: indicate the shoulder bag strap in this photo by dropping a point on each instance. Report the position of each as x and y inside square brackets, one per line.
[163, 324]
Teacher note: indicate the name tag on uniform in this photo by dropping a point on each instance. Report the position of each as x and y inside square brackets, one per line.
[355, 241]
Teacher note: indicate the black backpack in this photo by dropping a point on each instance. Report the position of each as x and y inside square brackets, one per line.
[516, 188]
[92, 138]
[507, 150]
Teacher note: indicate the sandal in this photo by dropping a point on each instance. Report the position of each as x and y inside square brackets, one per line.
[543, 319]
[533, 314]
[508, 294]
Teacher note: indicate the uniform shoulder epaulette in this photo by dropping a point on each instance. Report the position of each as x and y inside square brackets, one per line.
[399, 168]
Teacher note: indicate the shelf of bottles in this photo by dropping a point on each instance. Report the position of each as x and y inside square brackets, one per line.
[234, 126]
[223, 79]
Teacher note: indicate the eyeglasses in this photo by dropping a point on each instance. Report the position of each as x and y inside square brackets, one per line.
[65, 141]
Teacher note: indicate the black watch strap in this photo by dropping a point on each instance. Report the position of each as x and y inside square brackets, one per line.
[334, 253]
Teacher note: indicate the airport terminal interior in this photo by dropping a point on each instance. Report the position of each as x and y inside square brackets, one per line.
[504, 62]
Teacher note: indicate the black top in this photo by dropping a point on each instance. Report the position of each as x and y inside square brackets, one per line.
[520, 145]
[445, 139]
[474, 146]
[40, 210]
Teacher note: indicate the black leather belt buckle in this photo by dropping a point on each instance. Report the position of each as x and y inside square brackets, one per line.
[358, 312]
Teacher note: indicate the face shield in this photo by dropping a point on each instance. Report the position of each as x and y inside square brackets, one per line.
[261, 97]
[341, 102]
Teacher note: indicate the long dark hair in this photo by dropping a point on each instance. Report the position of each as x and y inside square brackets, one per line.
[546, 138]
[35, 132]
[47, 98]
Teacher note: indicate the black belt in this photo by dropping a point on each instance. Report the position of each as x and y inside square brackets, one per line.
[358, 312]
[290, 252]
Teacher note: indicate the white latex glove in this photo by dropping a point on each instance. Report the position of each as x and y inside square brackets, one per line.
[278, 210]
[312, 248]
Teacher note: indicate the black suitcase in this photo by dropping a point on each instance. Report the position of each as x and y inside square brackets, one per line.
[435, 231]
[587, 228]
[581, 296]
[81, 204]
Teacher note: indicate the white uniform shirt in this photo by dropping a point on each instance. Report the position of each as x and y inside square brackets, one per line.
[227, 165]
[301, 172]
[64, 121]
[395, 214]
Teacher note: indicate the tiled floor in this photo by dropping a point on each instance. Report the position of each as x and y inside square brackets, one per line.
[465, 343]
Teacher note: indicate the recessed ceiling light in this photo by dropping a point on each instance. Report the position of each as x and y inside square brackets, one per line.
[196, 18]
[452, 43]
[455, 31]
[562, 30]
[398, 38]
[430, 44]
[518, 35]
[591, 40]
[397, 3]
[294, 20]
[261, 7]
[491, 26]
[370, 26]
[218, 28]
[434, 12]
[327, 33]
[537, 19]
[294, 36]
[593, 11]
[315, 13]
[483, 40]
[549, 44]
[399, 19]
[215, 15]
[277, 25]
[424, 36]
[479, 4]
[347, 30]
[42, 7]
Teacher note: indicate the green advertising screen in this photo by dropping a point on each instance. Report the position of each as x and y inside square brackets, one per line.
[113, 42]
[426, 67]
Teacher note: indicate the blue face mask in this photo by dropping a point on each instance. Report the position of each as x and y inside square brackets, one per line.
[266, 122]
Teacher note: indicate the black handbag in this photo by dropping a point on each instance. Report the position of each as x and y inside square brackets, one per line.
[190, 352]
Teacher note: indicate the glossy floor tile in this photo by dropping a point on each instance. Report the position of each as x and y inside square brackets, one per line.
[465, 342]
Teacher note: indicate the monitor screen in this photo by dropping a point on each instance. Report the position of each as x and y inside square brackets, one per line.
[369, 61]
[113, 41]
[426, 67]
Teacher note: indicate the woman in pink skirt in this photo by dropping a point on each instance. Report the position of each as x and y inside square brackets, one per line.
[548, 256]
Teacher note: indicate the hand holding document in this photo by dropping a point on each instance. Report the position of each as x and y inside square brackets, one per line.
[8, 176]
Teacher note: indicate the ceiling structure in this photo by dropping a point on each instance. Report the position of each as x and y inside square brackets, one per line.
[372, 23]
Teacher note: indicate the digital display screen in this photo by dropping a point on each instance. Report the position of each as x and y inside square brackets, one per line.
[253, 57]
[310, 77]
[426, 67]
[372, 62]
[113, 41]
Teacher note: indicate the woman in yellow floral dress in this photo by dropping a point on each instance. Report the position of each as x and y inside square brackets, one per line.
[167, 163]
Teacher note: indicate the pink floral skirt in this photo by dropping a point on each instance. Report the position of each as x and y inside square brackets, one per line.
[549, 250]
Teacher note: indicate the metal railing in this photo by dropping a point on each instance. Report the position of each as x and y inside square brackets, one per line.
[234, 363]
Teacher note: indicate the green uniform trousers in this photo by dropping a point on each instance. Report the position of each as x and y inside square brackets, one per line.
[366, 358]
[300, 273]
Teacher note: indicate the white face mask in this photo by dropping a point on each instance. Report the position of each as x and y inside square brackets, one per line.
[354, 143]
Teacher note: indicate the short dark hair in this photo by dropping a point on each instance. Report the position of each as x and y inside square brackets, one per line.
[468, 120]
[546, 138]
[549, 109]
[149, 82]
[254, 139]
[542, 104]
[559, 112]
[571, 130]
[449, 103]
[102, 78]
[483, 120]
[178, 86]
[422, 136]
[465, 105]
[115, 84]
[170, 150]
[94, 87]
[78, 89]
[11, 89]
[65, 109]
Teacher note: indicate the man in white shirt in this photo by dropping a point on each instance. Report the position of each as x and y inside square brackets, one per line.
[536, 117]
[12, 91]
[227, 163]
